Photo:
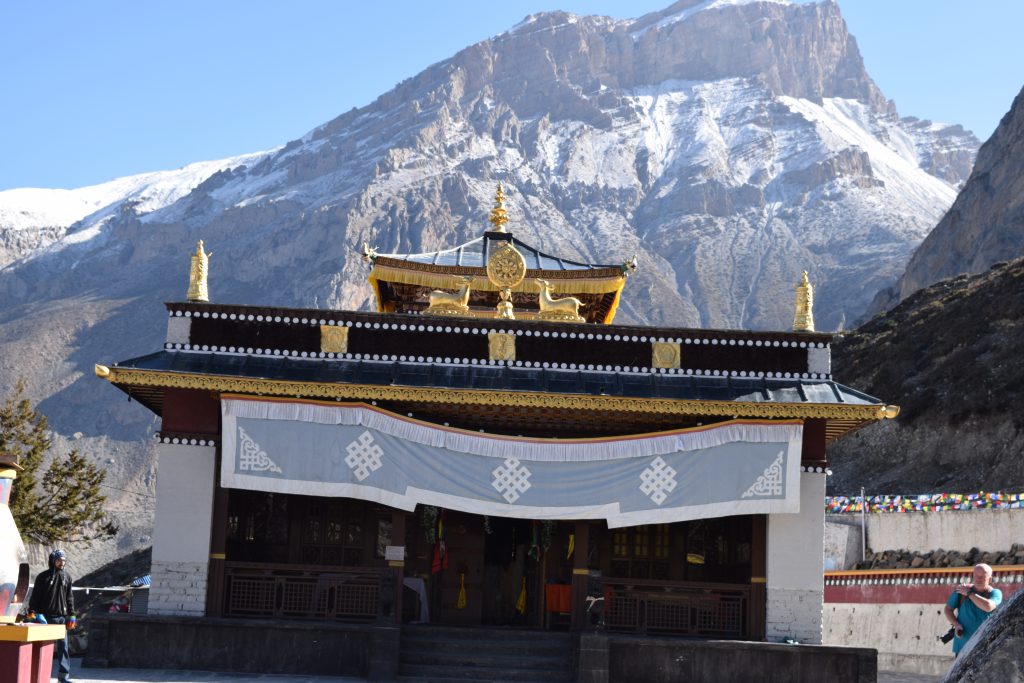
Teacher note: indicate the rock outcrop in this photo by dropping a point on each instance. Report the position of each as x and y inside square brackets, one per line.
[996, 652]
[985, 223]
[949, 355]
[904, 559]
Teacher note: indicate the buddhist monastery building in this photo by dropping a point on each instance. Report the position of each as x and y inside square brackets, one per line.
[487, 453]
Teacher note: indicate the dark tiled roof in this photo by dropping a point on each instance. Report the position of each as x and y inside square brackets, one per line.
[504, 378]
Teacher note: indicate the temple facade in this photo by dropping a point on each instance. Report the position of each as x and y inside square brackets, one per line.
[489, 450]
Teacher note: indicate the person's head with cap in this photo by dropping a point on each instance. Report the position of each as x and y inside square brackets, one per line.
[58, 556]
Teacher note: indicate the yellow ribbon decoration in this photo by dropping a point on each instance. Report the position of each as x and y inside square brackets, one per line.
[521, 602]
[461, 602]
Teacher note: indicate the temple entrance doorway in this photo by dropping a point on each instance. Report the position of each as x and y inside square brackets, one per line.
[512, 572]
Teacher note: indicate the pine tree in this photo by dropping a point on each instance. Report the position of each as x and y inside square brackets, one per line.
[65, 503]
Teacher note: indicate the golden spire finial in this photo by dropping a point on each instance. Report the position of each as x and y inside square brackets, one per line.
[499, 217]
[803, 320]
[197, 289]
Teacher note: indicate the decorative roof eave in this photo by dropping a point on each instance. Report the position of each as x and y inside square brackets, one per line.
[854, 415]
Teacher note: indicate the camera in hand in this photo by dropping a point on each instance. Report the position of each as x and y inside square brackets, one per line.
[947, 636]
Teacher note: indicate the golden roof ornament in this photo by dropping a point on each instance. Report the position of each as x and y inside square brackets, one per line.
[566, 309]
[803, 319]
[197, 288]
[451, 303]
[499, 217]
[369, 253]
[506, 269]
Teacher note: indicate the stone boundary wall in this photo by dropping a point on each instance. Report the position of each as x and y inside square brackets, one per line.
[990, 531]
[899, 613]
[904, 634]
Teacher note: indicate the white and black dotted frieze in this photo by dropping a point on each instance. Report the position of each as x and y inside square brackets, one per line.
[446, 344]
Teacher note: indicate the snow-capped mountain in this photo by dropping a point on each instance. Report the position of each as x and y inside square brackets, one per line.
[33, 218]
[730, 145]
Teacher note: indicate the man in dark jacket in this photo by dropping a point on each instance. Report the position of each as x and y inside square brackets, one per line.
[53, 600]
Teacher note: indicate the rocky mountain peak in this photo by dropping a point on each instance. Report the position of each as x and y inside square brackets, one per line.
[986, 222]
[562, 65]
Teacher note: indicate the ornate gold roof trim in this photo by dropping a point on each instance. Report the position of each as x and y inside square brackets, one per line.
[599, 282]
[364, 392]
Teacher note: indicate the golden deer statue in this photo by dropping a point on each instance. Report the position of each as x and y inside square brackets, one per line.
[457, 300]
[567, 307]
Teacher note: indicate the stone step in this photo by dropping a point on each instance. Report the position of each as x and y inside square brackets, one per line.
[483, 658]
[435, 674]
[521, 648]
[445, 654]
[477, 634]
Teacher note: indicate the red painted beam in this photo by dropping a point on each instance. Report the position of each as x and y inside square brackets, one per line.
[921, 586]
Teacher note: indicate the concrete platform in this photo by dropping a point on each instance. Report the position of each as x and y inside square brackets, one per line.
[98, 675]
[79, 673]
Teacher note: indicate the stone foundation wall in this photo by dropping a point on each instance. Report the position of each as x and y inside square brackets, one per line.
[669, 660]
[903, 634]
[794, 614]
[179, 588]
[254, 646]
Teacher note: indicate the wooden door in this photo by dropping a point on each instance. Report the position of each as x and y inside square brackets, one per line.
[464, 537]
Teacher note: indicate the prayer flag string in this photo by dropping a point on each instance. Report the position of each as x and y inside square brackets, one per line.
[927, 502]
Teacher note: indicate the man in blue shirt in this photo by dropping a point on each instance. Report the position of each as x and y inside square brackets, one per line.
[970, 605]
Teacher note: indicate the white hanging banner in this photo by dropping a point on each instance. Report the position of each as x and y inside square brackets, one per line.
[359, 451]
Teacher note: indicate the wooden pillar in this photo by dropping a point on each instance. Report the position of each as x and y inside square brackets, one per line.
[580, 575]
[812, 450]
[757, 607]
[398, 566]
[218, 549]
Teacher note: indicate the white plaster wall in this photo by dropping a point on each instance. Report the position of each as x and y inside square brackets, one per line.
[794, 581]
[903, 634]
[842, 544]
[181, 532]
[179, 330]
[987, 530]
[819, 360]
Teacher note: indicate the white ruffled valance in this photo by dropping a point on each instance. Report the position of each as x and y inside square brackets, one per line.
[360, 451]
[498, 446]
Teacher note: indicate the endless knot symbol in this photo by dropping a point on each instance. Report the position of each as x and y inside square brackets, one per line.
[251, 457]
[511, 479]
[659, 480]
[769, 483]
[364, 456]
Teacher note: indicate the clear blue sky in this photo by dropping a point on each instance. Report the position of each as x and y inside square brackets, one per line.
[91, 91]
